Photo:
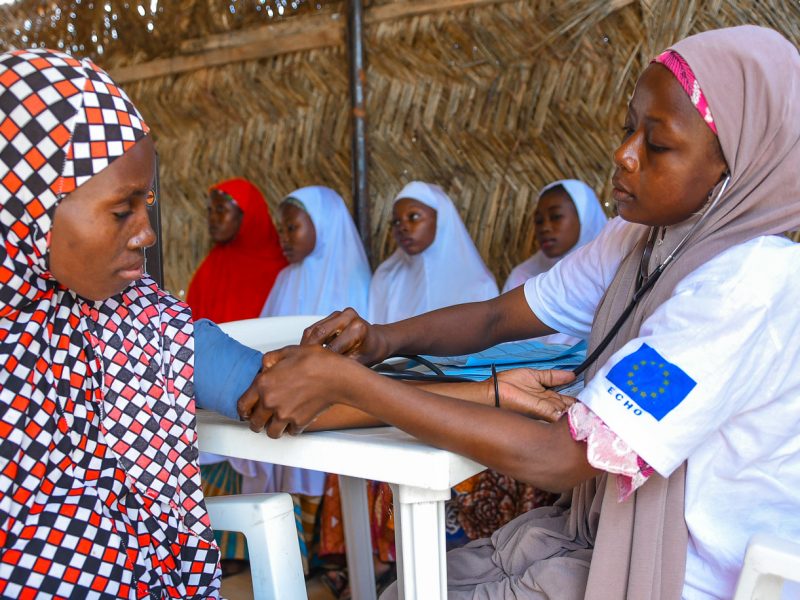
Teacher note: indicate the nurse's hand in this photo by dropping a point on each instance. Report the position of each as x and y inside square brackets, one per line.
[296, 384]
[346, 332]
[526, 391]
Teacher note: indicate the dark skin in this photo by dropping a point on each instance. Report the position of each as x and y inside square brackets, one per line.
[666, 165]
[664, 185]
[413, 225]
[556, 222]
[224, 217]
[100, 230]
[297, 233]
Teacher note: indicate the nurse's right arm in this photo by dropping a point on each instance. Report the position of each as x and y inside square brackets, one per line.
[455, 330]
[564, 300]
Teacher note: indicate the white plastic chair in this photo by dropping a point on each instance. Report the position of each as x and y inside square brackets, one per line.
[267, 521]
[768, 563]
[269, 333]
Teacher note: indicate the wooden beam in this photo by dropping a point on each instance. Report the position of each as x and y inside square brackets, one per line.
[400, 10]
[331, 35]
[293, 35]
[309, 25]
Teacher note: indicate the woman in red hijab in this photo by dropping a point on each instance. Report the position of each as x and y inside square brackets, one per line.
[234, 280]
[233, 283]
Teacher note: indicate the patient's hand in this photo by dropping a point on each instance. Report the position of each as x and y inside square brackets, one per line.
[525, 391]
[296, 385]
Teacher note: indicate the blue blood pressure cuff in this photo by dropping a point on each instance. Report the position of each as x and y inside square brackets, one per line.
[223, 369]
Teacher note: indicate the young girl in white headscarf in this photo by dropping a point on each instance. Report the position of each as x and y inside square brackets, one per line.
[328, 268]
[436, 263]
[328, 271]
[568, 216]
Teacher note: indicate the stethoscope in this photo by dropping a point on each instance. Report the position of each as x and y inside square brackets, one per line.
[644, 282]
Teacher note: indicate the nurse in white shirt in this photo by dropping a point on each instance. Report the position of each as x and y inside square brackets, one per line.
[436, 263]
[683, 442]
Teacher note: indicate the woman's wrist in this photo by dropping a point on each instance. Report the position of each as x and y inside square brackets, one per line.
[391, 339]
[488, 392]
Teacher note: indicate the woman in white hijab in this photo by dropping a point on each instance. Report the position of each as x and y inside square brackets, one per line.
[568, 216]
[328, 271]
[436, 263]
[328, 268]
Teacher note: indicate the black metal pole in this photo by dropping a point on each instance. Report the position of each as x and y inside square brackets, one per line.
[358, 79]
[154, 255]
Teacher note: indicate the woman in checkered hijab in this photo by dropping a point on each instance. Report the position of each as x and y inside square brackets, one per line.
[99, 485]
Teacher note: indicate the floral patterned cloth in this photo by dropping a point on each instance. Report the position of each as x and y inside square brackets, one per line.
[492, 499]
[606, 451]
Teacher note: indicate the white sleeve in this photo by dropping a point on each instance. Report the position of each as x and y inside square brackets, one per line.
[566, 297]
[719, 346]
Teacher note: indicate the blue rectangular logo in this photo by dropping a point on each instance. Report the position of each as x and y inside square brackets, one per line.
[656, 385]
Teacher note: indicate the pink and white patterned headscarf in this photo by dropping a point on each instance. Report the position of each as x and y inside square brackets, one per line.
[683, 73]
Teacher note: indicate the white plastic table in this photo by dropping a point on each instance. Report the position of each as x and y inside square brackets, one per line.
[420, 477]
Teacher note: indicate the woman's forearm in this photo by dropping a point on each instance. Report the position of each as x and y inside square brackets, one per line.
[539, 453]
[340, 416]
[466, 328]
[481, 392]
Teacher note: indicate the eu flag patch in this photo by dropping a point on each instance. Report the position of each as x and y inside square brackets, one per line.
[656, 385]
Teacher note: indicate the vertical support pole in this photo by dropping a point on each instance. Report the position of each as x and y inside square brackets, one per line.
[358, 79]
[154, 255]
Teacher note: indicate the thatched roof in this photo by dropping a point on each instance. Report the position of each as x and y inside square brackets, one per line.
[489, 98]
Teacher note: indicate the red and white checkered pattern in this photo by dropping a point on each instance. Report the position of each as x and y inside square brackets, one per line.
[99, 486]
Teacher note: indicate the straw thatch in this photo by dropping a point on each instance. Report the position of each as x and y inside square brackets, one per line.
[491, 100]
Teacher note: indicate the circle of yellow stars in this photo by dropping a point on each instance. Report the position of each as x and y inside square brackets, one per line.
[664, 383]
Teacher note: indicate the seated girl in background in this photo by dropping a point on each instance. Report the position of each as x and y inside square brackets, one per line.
[691, 388]
[234, 280]
[232, 283]
[436, 263]
[328, 268]
[568, 216]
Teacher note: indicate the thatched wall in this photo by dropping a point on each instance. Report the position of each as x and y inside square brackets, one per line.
[490, 101]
